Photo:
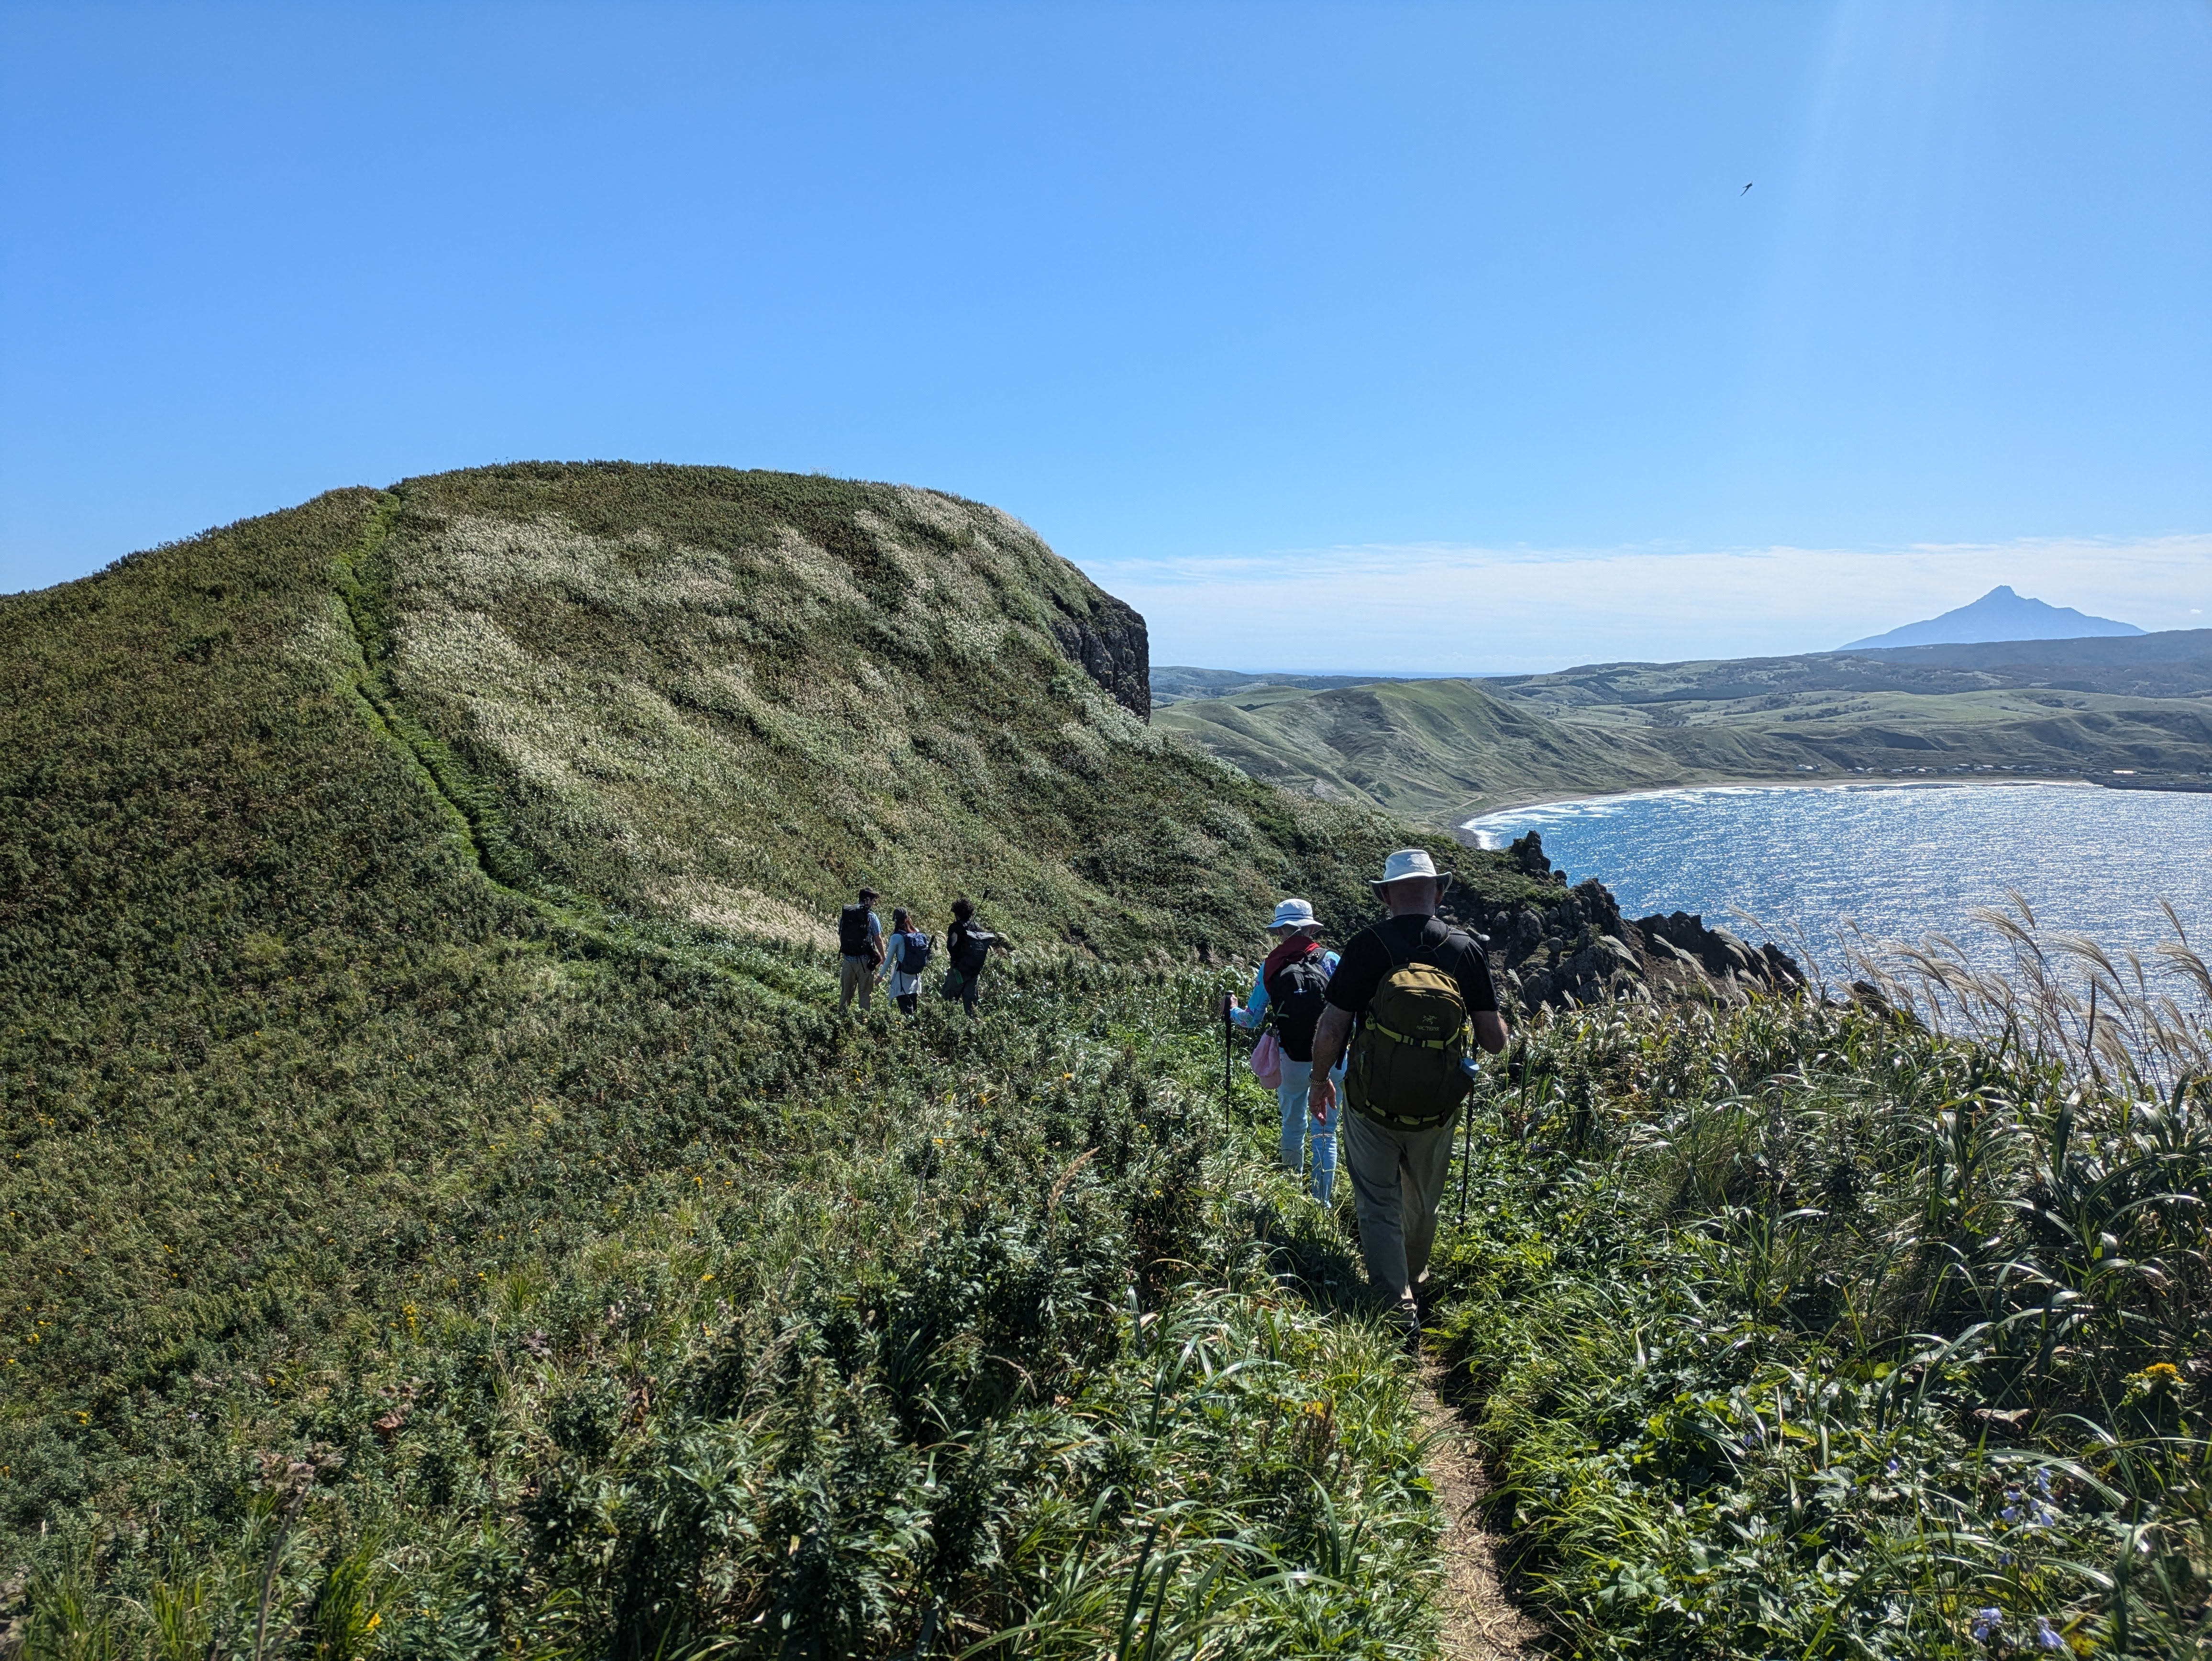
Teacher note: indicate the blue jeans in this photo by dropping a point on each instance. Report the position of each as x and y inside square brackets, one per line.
[1298, 1124]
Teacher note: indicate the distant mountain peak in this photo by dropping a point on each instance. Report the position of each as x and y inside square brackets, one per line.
[2000, 614]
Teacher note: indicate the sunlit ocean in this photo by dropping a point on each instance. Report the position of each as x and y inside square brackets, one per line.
[1904, 860]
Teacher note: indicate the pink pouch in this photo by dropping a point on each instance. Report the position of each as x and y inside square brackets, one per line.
[1267, 1061]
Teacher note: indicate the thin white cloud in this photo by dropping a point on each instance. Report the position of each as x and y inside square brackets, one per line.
[1443, 607]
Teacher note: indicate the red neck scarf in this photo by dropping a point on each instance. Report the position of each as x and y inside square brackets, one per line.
[1298, 947]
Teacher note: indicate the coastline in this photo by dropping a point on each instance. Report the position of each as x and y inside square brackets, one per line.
[1463, 831]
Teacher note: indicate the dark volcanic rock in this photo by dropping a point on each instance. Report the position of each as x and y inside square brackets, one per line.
[1110, 644]
[1577, 949]
[1528, 852]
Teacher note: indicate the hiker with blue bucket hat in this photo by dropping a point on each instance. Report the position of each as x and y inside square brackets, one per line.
[1288, 996]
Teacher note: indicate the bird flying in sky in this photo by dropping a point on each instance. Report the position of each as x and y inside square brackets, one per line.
[1746, 187]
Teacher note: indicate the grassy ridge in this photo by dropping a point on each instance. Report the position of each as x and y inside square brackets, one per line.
[1172, 683]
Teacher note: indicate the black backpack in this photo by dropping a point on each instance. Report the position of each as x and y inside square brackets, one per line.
[974, 948]
[853, 931]
[914, 953]
[1295, 996]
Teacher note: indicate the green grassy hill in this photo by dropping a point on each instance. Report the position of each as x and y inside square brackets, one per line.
[1811, 1331]
[2167, 662]
[706, 698]
[2175, 663]
[418, 1051]
[1171, 684]
[1435, 751]
[1440, 751]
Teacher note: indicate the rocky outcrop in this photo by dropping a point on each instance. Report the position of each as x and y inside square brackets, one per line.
[1577, 949]
[1110, 643]
[1698, 959]
[1527, 853]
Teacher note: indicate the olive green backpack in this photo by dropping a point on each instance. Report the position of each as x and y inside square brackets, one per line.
[1406, 1060]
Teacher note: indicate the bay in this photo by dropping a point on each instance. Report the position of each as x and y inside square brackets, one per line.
[1902, 861]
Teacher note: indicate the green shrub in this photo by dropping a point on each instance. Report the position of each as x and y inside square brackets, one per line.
[972, 1332]
[1820, 1332]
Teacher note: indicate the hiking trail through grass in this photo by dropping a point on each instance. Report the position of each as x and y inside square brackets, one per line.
[1480, 1623]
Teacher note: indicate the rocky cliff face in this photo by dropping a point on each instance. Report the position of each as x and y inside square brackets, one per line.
[1579, 949]
[1108, 640]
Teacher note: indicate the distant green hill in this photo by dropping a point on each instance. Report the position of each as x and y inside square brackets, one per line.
[1436, 751]
[2175, 663]
[1173, 683]
[1441, 751]
[2168, 663]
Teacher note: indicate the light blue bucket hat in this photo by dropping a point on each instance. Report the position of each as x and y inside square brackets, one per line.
[1295, 914]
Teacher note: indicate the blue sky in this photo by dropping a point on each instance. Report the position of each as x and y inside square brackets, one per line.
[1334, 337]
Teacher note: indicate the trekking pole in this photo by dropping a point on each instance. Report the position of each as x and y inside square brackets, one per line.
[1228, 1084]
[1465, 1152]
[1466, 1145]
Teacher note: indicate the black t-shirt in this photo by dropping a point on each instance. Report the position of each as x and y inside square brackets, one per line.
[1375, 951]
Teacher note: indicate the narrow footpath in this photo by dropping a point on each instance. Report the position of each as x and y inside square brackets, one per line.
[1480, 1623]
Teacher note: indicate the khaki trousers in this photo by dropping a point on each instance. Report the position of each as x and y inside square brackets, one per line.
[1397, 1183]
[855, 975]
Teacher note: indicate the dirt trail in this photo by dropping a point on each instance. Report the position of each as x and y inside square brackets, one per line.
[1480, 1623]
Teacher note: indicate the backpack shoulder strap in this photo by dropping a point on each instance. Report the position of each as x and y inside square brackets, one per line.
[1434, 932]
[1388, 953]
[1438, 933]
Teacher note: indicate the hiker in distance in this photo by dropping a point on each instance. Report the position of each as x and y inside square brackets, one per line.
[1287, 996]
[906, 956]
[969, 945]
[1409, 992]
[860, 944]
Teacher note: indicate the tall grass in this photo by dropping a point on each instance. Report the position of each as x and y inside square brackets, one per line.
[976, 1348]
[2059, 1000]
[1877, 1330]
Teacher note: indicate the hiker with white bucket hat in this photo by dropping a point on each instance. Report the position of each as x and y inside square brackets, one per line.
[1414, 996]
[1287, 999]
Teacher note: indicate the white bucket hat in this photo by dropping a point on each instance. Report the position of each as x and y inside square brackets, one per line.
[1408, 863]
[1295, 914]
